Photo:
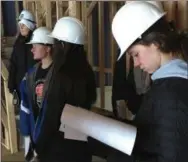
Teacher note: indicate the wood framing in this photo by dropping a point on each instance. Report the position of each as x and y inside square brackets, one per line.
[170, 6]
[177, 11]
[8, 119]
[48, 14]
[75, 9]
[113, 51]
[182, 13]
[101, 52]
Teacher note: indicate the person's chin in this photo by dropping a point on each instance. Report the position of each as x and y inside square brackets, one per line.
[36, 58]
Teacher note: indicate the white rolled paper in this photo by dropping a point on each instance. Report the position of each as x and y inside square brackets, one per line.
[116, 134]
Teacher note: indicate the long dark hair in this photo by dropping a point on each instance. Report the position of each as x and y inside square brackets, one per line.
[70, 61]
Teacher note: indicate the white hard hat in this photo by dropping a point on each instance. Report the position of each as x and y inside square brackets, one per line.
[29, 24]
[156, 3]
[27, 15]
[27, 19]
[70, 30]
[131, 21]
[40, 36]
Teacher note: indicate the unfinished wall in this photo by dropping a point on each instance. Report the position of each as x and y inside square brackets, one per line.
[97, 17]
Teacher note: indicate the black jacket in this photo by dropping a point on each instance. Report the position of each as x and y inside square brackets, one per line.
[72, 82]
[162, 133]
[162, 122]
[21, 60]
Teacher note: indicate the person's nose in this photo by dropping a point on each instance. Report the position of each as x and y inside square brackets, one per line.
[32, 49]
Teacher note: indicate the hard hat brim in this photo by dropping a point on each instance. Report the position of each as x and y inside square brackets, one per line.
[33, 42]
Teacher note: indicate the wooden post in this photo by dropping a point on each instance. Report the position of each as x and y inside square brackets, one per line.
[84, 12]
[84, 21]
[3, 114]
[25, 4]
[91, 7]
[182, 14]
[10, 112]
[101, 52]
[17, 9]
[38, 13]
[113, 51]
[5, 124]
[90, 30]
[74, 9]
[33, 8]
[59, 9]
[48, 14]
[170, 7]
[89, 39]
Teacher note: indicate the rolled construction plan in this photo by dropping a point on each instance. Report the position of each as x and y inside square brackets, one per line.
[116, 134]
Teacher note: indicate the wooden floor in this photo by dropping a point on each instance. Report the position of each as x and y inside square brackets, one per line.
[7, 157]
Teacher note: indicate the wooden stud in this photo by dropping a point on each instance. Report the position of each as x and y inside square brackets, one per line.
[11, 119]
[91, 7]
[113, 51]
[66, 12]
[5, 124]
[4, 71]
[25, 4]
[2, 29]
[17, 9]
[101, 53]
[33, 8]
[170, 7]
[182, 14]
[48, 14]
[74, 9]
[59, 9]
[84, 13]
[3, 114]
[38, 13]
[17, 16]
[90, 39]
[84, 21]
[9, 111]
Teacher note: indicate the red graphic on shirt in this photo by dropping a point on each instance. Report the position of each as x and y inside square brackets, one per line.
[39, 89]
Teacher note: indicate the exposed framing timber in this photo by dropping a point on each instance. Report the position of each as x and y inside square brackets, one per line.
[101, 53]
[113, 51]
[182, 13]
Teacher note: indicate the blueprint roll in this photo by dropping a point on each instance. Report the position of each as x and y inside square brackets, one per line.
[118, 135]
